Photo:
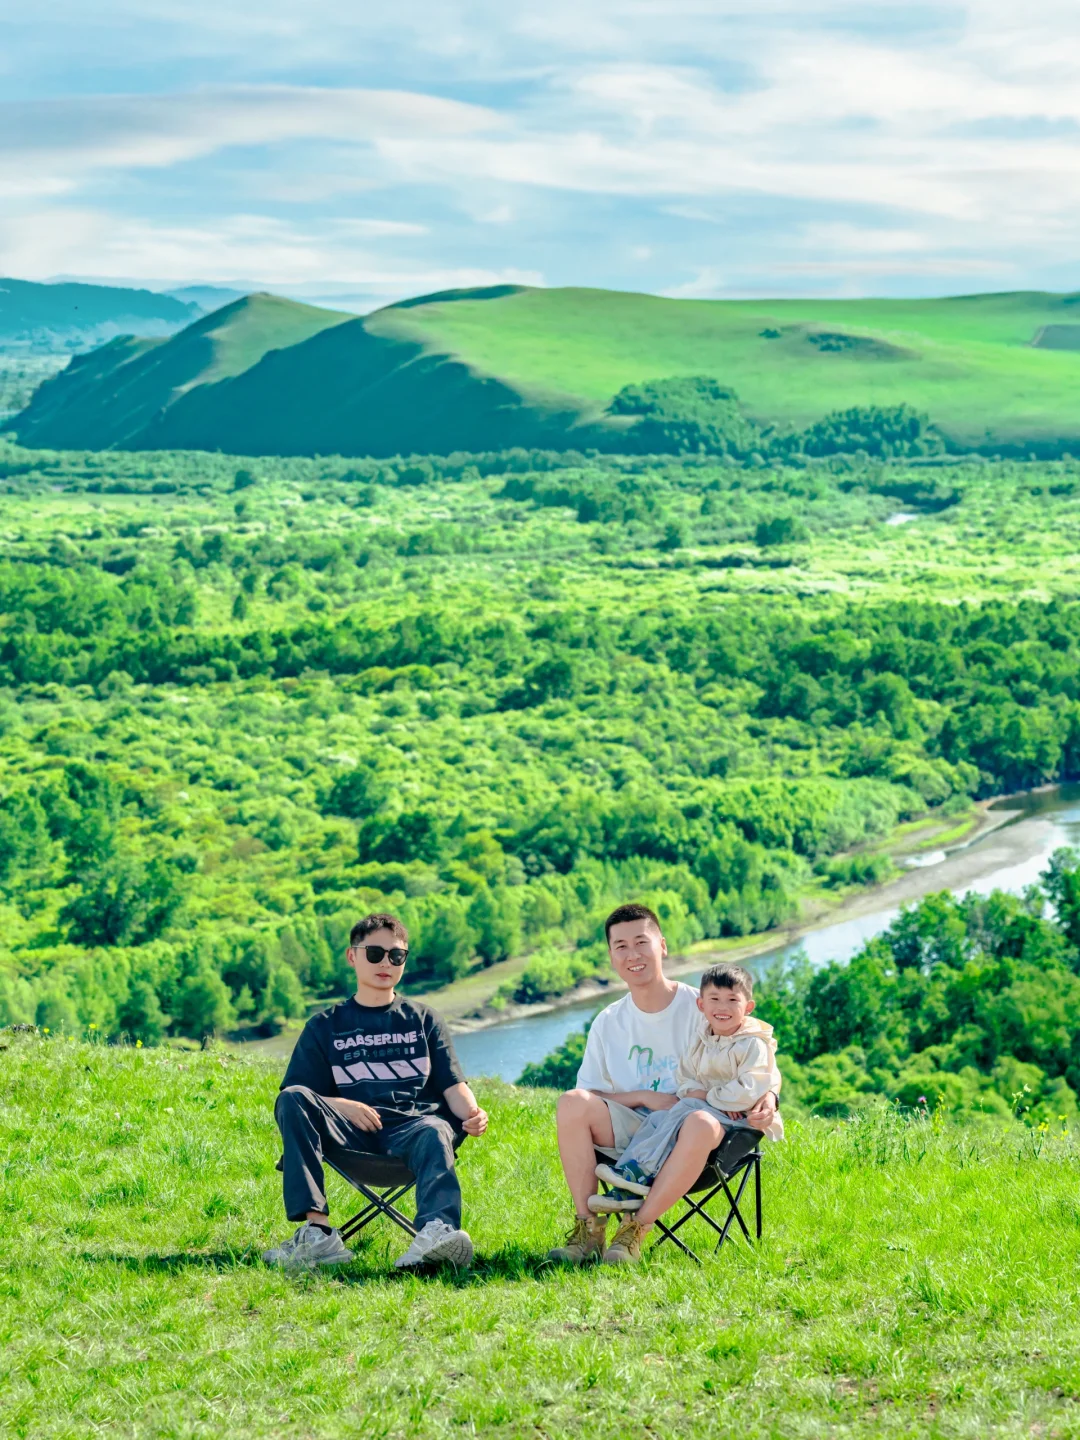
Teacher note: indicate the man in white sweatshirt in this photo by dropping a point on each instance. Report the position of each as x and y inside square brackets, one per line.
[629, 1069]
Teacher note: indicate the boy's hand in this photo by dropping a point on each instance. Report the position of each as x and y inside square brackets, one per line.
[360, 1114]
[476, 1123]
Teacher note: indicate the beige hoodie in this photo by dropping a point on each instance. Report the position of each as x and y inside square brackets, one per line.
[734, 1070]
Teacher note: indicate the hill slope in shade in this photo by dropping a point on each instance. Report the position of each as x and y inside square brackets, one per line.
[510, 365]
[127, 394]
[48, 316]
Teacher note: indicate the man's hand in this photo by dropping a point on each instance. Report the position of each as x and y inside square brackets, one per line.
[763, 1113]
[476, 1123]
[361, 1115]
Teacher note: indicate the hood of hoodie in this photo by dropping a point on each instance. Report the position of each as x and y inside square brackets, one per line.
[750, 1026]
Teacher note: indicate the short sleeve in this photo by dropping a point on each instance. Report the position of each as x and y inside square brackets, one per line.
[445, 1067]
[309, 1065]
[593, 1073]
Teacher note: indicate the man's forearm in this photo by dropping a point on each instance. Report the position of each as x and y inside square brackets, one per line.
[634, 1099]
[461, 1101]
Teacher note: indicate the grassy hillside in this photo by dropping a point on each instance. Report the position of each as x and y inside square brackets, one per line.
[914, 1278]
[970, 362]
[511, 366]
[45, 316]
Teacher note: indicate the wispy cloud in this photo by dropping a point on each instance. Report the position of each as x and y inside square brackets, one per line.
[65, 140]
[694, 146]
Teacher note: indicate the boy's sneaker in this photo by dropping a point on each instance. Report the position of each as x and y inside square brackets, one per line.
[310, 1246]
[632, 1178]
[584, 1243]
[436, 1242]
[614, 1202]
[625, 1249]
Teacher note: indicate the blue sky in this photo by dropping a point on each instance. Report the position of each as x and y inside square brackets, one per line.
[685, 147]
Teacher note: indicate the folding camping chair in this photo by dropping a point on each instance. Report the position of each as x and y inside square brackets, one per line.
[736, 1155]
[383, 1180]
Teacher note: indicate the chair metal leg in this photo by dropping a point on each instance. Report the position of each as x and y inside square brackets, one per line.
[667, 1233]
[379, 1204]
[757, 1195]
[736, 1213]
[694, 1206]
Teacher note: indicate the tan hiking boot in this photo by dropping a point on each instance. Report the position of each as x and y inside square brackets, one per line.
[584, 1243]
[625, 1249]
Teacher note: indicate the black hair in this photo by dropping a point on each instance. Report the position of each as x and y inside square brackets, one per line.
[622, 913]
[728, 977]
[378, 921]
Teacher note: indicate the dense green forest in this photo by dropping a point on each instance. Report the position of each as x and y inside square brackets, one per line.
[242, 700]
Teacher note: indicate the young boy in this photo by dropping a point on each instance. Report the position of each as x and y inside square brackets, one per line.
[729, 1066]
[376, 1074]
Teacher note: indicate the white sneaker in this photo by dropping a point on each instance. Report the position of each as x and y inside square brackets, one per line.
[619, 1181]
[614, 1202]
[310, 1246]
[437, 1241]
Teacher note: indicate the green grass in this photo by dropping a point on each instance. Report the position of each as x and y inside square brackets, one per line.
[913, 1280]
[969, 361]
[519, 366]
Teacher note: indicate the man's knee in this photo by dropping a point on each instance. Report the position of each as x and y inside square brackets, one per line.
[433, 1136]
[577, 1105]
[293, 1101]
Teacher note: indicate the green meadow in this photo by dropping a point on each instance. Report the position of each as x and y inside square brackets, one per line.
[916, 1277]
[969, 361]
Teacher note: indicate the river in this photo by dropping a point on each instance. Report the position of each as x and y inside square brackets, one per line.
[1014, 857]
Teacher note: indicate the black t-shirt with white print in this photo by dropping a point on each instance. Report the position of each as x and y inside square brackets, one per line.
[398, 1058]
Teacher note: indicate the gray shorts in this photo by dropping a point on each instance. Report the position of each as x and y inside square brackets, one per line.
[625, 1124]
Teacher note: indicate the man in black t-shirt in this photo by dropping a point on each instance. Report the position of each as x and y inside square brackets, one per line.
[375, 1074]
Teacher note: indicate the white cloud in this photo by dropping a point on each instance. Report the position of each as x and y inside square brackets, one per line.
[47, 243]
[62, 142]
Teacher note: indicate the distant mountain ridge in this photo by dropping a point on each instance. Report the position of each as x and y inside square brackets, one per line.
[517, 366]
[70, 314]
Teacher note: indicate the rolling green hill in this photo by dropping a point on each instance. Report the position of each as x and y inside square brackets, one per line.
[47, 316]
[139, 394]
[509, 365]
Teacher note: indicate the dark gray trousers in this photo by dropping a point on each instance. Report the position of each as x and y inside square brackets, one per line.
[312, 1130]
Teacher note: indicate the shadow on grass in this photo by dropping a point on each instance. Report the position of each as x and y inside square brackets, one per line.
[174, 1264]
[508, 1265]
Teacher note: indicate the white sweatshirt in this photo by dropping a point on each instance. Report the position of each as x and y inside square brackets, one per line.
[735, 1071]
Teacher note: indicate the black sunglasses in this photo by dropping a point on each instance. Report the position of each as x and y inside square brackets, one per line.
[376, 954]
